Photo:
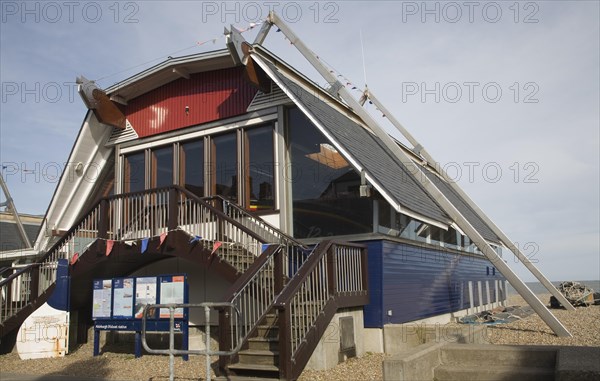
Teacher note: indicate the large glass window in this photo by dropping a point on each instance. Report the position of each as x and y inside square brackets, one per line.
[259, 167]
[162, 167]
[224, 161]
[325, 187]
[134, 172]
[192, 166]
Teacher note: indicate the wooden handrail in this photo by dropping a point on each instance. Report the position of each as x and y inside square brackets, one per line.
[18, 273]
[263, 222]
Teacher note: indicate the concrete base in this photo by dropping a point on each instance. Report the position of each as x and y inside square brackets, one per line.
[446, 362]
[578, 364]
[373, 340]
[327, 354]
[399, 338]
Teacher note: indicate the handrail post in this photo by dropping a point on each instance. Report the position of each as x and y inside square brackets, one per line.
[225, 344]
[103, 220]
[173, 209]
[332, 269]
[278, 268]
[9, 292]
[285, 345]
[34, 283]
[364, 270]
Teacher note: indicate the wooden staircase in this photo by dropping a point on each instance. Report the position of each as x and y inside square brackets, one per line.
[287, 293]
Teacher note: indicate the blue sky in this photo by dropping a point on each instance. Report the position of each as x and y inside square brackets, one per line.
[504, 95]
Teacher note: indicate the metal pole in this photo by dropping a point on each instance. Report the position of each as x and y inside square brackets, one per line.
[171, 343]
[207, 318]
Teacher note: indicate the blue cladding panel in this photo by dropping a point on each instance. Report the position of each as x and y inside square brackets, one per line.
[418, 282]
[373, 314]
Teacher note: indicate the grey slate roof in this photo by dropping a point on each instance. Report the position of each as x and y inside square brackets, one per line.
[463, 208]
[10, 238]
[382, 164]
[370, 152]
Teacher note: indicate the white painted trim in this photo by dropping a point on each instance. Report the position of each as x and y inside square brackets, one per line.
[197, 134]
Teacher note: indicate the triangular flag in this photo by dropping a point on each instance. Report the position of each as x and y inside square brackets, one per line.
[75, 258]
[216, 245]
[195, 238]
[109, 246]
[264, 247]
[163, 236]
[145, 244]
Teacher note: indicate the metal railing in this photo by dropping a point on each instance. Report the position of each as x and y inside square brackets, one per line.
[172, 352]
[256, 296]
[333, 277]
[295, 251]
[138, 215]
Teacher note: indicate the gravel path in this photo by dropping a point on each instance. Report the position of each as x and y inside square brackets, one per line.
[584, 324]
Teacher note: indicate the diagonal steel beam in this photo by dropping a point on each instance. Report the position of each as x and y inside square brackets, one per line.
[427, 184]
[503, 237]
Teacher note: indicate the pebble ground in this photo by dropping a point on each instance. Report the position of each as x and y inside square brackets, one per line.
[119, 364]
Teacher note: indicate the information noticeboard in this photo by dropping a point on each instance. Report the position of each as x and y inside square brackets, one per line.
[125, 298]
[172, 290]
[102, 298]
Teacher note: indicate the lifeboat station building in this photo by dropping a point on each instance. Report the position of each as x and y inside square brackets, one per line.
[267, 191]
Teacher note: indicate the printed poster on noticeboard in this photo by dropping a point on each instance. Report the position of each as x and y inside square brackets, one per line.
[123, 297]
[145, 293]
[102, 298]
[172, 290]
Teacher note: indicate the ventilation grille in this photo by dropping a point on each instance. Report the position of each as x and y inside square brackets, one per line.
[274, 98]
[121, 136]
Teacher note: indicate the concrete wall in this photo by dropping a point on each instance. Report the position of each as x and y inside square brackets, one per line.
[327, 353]
[204, 285]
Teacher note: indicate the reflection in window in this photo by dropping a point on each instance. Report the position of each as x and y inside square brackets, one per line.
[325, 188]
[259, 169]
[400, 225]
[162, 167]
[224, 158]
[134, 172]
[192, 166]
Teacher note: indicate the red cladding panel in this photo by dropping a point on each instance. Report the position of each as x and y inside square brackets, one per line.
[210, 96]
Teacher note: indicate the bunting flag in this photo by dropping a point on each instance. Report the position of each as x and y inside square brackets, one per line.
[195, 239]
[163, 236]
[75, 258]
[129, 243]
[264, 247]
[109, 246]
[216, 245]
[145, 244]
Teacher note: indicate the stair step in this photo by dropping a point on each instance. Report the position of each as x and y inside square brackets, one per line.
[270, 331]
[257, 356]
[263, 343]
[476, 355]
[250, 371]
[270, 319]
[457, 372]
[245, 378]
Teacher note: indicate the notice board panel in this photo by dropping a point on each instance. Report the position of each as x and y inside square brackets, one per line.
[123, 289]
[172, 290]
[102, 298]
[145, 293]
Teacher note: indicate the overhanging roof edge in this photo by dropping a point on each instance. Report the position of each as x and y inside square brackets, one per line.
[392, 200]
